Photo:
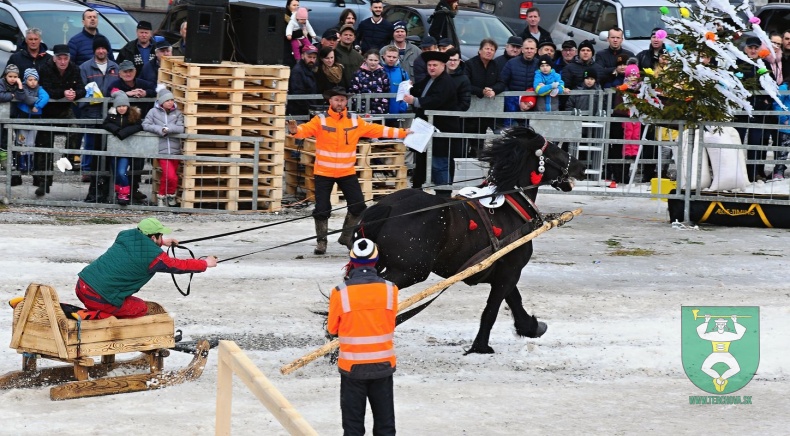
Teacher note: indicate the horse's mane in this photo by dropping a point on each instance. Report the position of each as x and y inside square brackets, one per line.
[507, 156]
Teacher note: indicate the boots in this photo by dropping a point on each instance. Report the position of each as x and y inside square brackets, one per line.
[171, 200]
[161, 200]
[122, 194]
[346, 237]
[321, 229]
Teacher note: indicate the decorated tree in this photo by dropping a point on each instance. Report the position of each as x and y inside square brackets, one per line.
[700, 76]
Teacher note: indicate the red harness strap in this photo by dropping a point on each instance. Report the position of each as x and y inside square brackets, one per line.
[517, 207]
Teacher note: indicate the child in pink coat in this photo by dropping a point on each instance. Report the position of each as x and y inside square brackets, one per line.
[631, 129]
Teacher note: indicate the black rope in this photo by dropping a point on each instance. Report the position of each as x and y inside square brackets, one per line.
[172, 249]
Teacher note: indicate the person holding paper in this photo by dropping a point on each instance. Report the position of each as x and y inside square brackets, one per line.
[435, 92]
[337, 133]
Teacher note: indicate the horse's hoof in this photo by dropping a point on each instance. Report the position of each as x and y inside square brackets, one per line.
[475, 349]
[542, 327]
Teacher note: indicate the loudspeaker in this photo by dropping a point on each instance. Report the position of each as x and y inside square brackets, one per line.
[215, 3]
[205, 34]
[257, 34]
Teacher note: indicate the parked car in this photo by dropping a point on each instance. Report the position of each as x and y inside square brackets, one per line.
[583, 20]
[774, 17]
[514, 12]
[471, 26]
[58, 20]
[323, 14]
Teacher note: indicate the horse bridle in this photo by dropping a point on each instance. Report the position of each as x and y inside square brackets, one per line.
[543, 160]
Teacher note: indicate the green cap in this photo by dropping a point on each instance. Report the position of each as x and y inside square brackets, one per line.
[152, 226]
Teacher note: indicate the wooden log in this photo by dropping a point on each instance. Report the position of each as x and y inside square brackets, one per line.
[472, 270]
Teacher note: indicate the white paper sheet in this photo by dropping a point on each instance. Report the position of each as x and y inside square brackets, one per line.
[421, 132]
[403, 89]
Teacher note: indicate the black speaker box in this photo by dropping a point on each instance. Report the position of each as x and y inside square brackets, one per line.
[215, 3]
[257, 34]
[206, 27]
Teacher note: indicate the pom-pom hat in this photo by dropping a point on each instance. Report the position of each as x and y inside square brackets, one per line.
[364, 252]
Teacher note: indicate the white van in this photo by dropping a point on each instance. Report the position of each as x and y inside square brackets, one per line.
[514, 12]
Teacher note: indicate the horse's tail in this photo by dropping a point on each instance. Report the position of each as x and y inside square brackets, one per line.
[372, 220]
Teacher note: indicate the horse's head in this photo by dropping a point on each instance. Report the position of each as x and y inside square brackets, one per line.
[523, 158]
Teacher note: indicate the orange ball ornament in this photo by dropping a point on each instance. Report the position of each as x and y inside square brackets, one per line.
[763, 53]
[710, 36]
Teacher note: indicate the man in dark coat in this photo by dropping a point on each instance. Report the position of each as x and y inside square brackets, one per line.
[442, 19]
[302, 81]
[519, 73]
[649, 58]
[81, 44]
[606, 59]
[32, 53]
[374, 32]
[151, 69]
[533, 30]
[140, 50]
[512, 50]
[61, 79]
[435, 92]
[484, 83]
[573, 73]
[345, 54]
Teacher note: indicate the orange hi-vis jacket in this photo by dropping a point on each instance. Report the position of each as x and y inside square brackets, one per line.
[336, 137]
[362, 314]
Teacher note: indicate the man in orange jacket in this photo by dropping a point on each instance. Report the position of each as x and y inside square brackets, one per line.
[337, 133]
[362, 314]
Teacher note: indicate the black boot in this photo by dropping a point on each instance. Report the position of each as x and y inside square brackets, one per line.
[321, 229]
[16, 180]
[346, 237]
[41, 190]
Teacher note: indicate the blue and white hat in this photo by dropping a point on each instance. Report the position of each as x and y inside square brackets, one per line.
[30, 72]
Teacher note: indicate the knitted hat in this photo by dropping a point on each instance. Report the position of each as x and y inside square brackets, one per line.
[590, 73]
[544, 60]
[569, 44]
[364, 252]
[100, 41]
[587, 44]
[30, 72]
[119, 98]
[399, 25]
[301, 14]
[11, 68]
[164, 95]
[632, 68]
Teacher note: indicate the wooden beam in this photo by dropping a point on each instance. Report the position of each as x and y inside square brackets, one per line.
[27, 306]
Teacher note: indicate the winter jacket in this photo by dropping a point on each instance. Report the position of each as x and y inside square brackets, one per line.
[81, 48]
[501, 61]
[368, 81]
[129, 264]
[362, 314]
[32, 97]
[350, 59]
[131, 52]
[573, 73]
[606, 62]
[463, 88]
[90, 72]
[151, 71]
[337, 135]
[441, 96]
[150, 91]
[56, 85]
[544, 35]
[373, 36]
[420, 70]
[481, 76]
[22, 58]
[119, 125]
[518, 75]
[582, 102]
[156, 119]
[301, 82]
[10, 92]
[649, 58]
[440, 21]
[543, 85]
[396, 75]
[407, 56]
[784, 114]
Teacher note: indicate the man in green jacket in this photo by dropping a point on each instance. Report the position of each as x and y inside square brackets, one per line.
[106, 286]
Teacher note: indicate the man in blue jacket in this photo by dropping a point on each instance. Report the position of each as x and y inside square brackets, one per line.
[81, 44]
[519, 74]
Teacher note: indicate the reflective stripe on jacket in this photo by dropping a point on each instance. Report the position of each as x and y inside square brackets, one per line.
[336, 137]
[363, 317]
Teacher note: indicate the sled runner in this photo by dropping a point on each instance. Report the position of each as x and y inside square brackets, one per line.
[41, 329]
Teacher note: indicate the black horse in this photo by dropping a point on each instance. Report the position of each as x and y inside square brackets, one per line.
[447, 237]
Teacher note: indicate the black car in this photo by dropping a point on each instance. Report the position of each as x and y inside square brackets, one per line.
[471, 26]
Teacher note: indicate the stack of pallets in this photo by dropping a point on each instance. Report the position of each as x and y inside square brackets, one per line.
[230, 99]
[380, 167]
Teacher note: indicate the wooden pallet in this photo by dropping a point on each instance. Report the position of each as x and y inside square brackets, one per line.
[304, 187]
[222, 148]
[177, 65]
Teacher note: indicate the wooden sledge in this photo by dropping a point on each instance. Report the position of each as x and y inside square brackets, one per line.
[42, 330]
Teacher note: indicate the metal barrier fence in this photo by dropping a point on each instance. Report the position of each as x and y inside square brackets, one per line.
[585, 135]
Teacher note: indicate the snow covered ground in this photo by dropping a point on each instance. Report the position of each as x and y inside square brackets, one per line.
[610, 362]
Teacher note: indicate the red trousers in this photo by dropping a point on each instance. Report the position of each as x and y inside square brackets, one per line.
[132, 307]
[631, 130]
[169, 182]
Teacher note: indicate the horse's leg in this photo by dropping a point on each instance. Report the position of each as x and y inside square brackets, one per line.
[526, 325]
[487, 320]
